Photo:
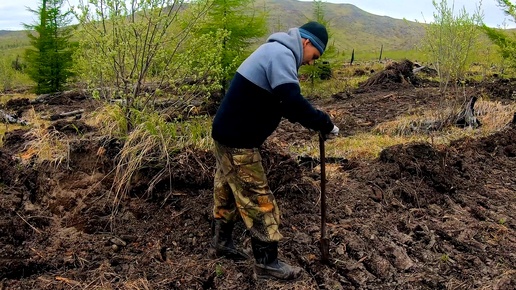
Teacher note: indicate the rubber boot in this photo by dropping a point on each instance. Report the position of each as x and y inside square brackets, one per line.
[268, 266]
[222, 241]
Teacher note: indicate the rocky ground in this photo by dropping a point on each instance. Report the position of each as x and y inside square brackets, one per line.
[418, 217]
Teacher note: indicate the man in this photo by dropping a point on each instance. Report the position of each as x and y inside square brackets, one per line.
[264, 89]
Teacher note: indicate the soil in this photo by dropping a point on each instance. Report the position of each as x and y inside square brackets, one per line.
[418, 217]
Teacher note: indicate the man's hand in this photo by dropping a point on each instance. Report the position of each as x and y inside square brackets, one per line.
[334, 133]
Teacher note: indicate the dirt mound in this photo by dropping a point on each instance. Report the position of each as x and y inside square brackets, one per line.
[447, 207]
[15, 104]
[394, 75]
[195, 169]
[418, 217]
[9, 173]
[15, 140]
[420, 162]
[500, 89]
[52, 104]
[73, 127]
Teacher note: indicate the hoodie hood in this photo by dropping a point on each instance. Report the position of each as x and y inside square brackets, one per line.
[291, 40]
[275, 62]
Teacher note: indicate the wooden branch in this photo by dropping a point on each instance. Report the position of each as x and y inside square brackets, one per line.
[75, 113]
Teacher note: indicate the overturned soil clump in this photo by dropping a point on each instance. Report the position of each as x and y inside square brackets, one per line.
[394, 75]
[418, 217]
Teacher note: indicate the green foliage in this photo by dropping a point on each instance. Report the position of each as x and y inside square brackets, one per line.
[201, 72]
[11, 73]
[126, 45]
[50, 58]
[219, 270]
[508, 7]
[240, 23]
[6, 75]
[505, 42]
[450, 40]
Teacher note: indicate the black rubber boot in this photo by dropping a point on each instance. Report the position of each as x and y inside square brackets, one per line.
[267, 264]
[223, 241]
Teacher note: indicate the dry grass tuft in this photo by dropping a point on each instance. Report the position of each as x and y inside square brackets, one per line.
[45, 144]
[152, 144]
[364, 146]
[433, 126]
[110, 119]
[494, 115]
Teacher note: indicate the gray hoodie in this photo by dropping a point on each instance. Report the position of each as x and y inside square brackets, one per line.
[276, 62]
[264, 89]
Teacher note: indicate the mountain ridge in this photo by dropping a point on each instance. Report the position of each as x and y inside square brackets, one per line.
[350, 27]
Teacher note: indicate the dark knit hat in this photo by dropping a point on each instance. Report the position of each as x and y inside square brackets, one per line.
[316, 33]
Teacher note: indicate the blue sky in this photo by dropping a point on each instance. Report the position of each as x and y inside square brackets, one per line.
[13, 12]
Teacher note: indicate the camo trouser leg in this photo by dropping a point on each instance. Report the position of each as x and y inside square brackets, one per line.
[241, 186]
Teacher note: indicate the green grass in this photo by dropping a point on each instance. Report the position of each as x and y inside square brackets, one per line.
[493, 115]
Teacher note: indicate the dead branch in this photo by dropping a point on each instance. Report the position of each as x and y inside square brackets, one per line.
[76, 113]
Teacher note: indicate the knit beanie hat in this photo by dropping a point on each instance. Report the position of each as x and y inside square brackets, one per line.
[316, 33]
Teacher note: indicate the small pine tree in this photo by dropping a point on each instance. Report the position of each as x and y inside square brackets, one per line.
[50, 59]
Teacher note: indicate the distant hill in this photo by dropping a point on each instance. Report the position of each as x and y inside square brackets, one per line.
[13, 42]
[350, 26]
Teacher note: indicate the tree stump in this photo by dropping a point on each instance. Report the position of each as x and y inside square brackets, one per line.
[466, 118]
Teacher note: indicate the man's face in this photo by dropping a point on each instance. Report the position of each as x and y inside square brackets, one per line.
[310, 53]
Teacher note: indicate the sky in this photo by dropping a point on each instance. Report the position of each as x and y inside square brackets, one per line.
[14, 12]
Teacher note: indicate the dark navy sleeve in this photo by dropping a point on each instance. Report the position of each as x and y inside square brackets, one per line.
[297, 109]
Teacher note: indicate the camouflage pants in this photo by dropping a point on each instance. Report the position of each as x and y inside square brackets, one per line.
[241, 186]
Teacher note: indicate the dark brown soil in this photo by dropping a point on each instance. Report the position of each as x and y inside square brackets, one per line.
[418, 217]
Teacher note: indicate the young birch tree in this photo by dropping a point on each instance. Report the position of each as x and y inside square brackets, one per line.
[125, 44]
[450, 39]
